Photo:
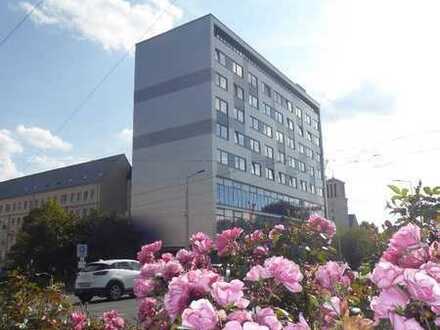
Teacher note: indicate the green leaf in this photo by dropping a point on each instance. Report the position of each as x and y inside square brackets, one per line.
[395, 189]
[427, 190]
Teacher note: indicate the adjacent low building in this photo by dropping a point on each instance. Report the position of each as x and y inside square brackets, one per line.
[101, 184]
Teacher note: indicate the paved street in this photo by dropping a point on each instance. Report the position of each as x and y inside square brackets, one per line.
[126, 306]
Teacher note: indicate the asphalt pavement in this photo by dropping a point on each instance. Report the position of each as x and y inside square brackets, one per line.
[126, 306]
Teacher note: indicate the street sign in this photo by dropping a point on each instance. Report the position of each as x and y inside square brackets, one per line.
[81, 250]
[81, 264]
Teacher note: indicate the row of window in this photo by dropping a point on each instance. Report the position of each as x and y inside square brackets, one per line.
[237, 162]
[266, 89]
[241, 195]
[63, 199]
[222, 105]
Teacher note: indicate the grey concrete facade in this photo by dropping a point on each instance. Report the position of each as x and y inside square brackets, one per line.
[337, 203]
[176, 124]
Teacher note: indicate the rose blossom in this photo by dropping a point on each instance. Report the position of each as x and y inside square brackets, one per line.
[277, 230]
[171, 269]
[405, 237]
[201, 315]
[79, 320]
[153, 269]
[257, 273]
[235, 325]
[143, 287]
[257, 235]
[167, 257]
[113, 320]
[285, 272]
[189, 286]
[226, 241]
[240, 316]
[413, 257]
[267, 317]
[387, 301]
[147, 310]
[332, 273]
[301, 325]
[322, 225]
[402, 323]
[261, 251]
[385, 274]
[421, 286]
[432, 269]
[201, 243]
[434, 251]
[226, 294]
[331, 311]
[146, 254]
[185, 257]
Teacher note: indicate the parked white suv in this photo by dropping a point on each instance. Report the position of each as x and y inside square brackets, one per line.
[106, 278]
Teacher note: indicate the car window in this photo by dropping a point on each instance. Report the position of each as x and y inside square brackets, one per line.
[135, 265]
[95, 266]
[122, 265]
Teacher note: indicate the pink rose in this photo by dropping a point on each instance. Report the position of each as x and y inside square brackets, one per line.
[285, 272]
[413, 257]
[402, 323]
[147, 310]
[153, 269]
[322, 225]
[171, 269]
[167, 257]
[113, 320]
[405, 237]
[257, 273]
[434, 251]
[301, 325]
[225, 293]
[276, 231]
[146, 254]
[388, 300]
[332, 273]
[183, 289]
[260, 251]
[257, 235]
[432, 269]
[240, 316]
[235, 325]
[201, 243]
[226, 241]
[385, 274]
[267, 317]
[421, 286]
[185, 257]
[201, 315]
[331, 310]
[79, 320]
[143, 287]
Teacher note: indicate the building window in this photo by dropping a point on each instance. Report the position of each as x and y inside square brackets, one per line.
[278, 97]
[85, 195]
[281, 157]
[240, 163]
[267, 130]
[309, 136]
[222, 131]
[222, 157]
[63, 199]
[270, 174]
[301, 148]
[78, 196]
[312, 171]
[282, 178]
[292, 182]
[253, 101]
[255, 123]
[279, 137]
[298, 112]
[239, 92]
[318, 173]
[253, 81]
[316, 140]
[279, 117]
[92, 194]
[289, 106]
[254, 145]
[315, 124]
[290, 143]
[239, 138]
[312, 188]
[256, 169]
[267, 110]
[300, 130]
[221, 81]
[301, 166]
[303, 185]
[221, 58]
[25, 205]
[290, 162]
[268, 152]
[309, 153]
[238, 115]
[221, 105]
[237, 69]
[308, 119]
[290, 124]
[266, 89]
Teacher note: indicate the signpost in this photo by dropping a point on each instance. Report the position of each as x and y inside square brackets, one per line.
[81, 253]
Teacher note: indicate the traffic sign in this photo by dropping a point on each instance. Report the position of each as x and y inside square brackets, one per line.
[81, 250]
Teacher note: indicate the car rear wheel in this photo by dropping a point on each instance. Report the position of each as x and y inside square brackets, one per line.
[115, 291]
[85, 298]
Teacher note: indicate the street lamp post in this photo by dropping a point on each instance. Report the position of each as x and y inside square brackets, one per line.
[187, 203]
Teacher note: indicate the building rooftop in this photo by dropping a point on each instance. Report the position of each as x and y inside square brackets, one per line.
[74, 175]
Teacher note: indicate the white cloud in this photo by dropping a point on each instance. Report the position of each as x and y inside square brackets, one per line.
[42, 138]
[114, 24]
[8, 147]
[126, 135]
[44, 163]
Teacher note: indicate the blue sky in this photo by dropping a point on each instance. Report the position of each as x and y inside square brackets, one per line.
[373, 73]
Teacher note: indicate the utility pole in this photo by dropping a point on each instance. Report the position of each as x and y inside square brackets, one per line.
[188, 177]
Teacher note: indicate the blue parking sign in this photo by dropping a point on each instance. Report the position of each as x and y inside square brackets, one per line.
[81, 250]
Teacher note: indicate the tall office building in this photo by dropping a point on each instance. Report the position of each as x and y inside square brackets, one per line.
[218, 131]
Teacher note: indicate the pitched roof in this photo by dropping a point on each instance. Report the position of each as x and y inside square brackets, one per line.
[74, 175]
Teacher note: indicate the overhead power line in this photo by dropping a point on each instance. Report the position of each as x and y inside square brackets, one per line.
[20, 23]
